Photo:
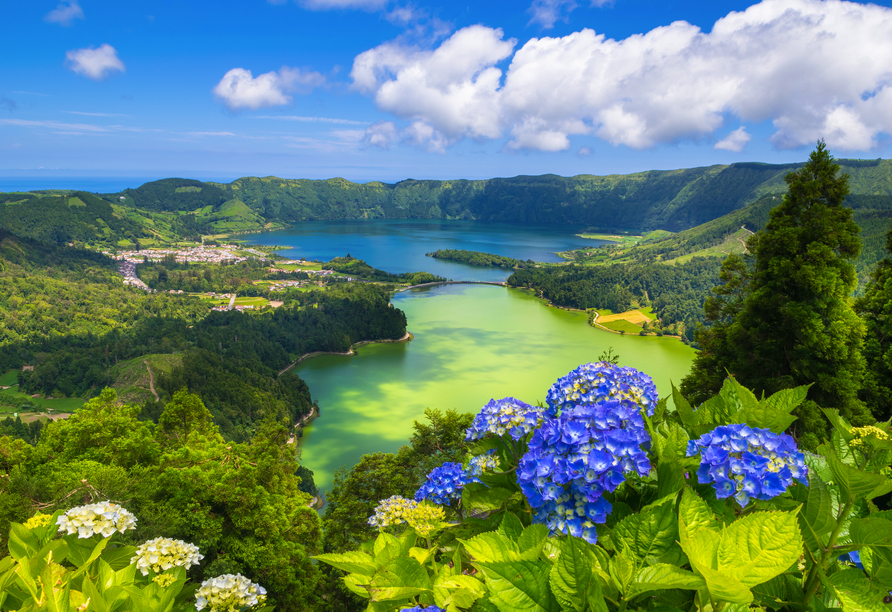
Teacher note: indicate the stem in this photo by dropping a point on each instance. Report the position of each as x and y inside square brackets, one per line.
[812, 583]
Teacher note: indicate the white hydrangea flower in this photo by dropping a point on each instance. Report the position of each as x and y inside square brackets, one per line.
[229, 593]
[103, 518]
[161, 554]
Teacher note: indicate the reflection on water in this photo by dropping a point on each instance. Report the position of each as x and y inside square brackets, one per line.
[472, 343]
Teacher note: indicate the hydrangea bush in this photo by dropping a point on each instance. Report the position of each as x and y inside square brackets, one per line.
[608, 498]
[69, 561]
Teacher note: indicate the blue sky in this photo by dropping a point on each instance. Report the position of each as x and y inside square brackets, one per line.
[389, 89]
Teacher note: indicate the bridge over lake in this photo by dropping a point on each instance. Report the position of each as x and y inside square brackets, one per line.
[498, 284]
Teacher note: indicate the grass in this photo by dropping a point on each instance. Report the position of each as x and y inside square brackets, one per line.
[624, 240]
[251, 301]
[9, 379]
[131, 378]
[622, 325]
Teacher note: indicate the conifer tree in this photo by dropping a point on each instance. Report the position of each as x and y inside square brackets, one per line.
[875, 308]
[786, 319]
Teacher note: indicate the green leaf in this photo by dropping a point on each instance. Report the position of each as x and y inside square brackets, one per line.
[664, 576]
[477, 496]
[855, 592]
[622, 570]
[378, 594]
[22, 543]
[760, 546]
[683, 408]
[839, 423]
[855, 482]
[817, 518]
[386, 548]
[531, 542]
[649, 533]
[491, 547]
[722, 587]
[696, 513]
[511, 526]
[458, 591]
[353, 562]
[774, 412]
[737, 397]
[870, 531]
[520, 586]
[572, 577]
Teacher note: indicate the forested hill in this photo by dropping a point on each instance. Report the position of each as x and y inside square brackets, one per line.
[672, 200]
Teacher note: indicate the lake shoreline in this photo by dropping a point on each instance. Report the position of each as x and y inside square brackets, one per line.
[408, 337]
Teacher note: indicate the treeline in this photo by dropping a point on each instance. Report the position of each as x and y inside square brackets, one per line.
[77, 217]
[359, 269]
[49, 292]
[676, 293]
[673, 200]
[476, 258]
[231, 359]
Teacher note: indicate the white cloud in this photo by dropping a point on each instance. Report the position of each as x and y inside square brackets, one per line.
[382, 134]
[735, 141]
[814, 68]
[452, 90]
[65, 13]
[94, 63]
[240, 89]
[547, 12]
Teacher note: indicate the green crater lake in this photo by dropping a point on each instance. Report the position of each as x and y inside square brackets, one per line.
[472, 343]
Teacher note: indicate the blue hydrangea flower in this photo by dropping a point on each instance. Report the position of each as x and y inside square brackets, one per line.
[444, 484]
[576, 458]
[748, 462]
[420, 609]
[598, 382]
[507, 415]
[487, 462]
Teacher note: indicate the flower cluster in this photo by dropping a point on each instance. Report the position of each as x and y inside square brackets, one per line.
[748, 462]
[425, 518]
[598, 382]
[483, 463]
[444, 484]
[574, 459]
[229, 592]
[391, 511]
[871, 431]
[507, 415]
[38, 520]
[164, 580]
[104, 518]
[162, 554]
[420, 609]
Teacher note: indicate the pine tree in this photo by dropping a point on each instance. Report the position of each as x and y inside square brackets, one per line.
[786, 319]
[875, 307]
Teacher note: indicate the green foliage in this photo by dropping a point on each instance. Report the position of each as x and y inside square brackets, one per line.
[476, 258]
[240, 503]
[359, 269]
[675, 292]
[684, 549]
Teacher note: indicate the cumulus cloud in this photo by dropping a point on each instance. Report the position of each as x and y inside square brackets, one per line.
[94, 63]
[735, 141]
[65, 13]
[382, 135]
[449, 93]
[814, 68]
[240, 89]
